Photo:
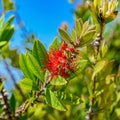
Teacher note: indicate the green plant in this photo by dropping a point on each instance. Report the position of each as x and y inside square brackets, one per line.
[76, 76]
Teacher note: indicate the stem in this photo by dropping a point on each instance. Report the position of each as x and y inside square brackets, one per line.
[5, 104]
[44, 87]
[90, 112]
[99, 39]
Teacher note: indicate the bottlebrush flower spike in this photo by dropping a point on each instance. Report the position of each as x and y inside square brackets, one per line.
[59, 62]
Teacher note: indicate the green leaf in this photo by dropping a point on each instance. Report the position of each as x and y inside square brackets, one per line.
[11, 54]
[104, 50]
[1, 86]
[85, 27]
[55, 44]
[58, 80]
[40, 53]
[107, 69]
[8, 5]
[87, 38]
[82, 64]
[24, 66]
[2, 43]
[47, 74]
[98, 67]
[2, 20]
[9, 21]
[74, 35]
[78, 26]
[7, 30]
[35, 67]
[69, 98]
[93, 27]
[64, 35]
[26, 84]
[53, 101]
[13, 103]
[7, 34]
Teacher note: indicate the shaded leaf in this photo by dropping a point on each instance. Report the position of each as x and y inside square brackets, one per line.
[13, 103]
[7, 34]
[87, 38]
[53, 101]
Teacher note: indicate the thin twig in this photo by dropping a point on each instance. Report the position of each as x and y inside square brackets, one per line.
[5, 104]
[90, 112]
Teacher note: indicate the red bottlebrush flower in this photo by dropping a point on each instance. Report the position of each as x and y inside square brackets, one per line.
[64, 46]
[59, 63]
[72, 49]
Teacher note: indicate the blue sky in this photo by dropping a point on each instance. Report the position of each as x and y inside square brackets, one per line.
[43, 17]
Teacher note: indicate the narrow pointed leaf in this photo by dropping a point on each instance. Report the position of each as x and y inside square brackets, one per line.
[64, 35]
[1, 20]
[24, 66]
[87, 38]
[85, 27]
[55, 44]
[78, 26]
[40, 53]
[74, 35]
[7, 34]
[35, 67]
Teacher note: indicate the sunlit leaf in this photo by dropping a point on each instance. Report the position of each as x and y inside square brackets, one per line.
[74, 35]
[85, 27]
[69, 98]
[8, 5]
[78, 26]
[24, 66]
[26, 84]
[64, 35]
[58, 80]
[35, 67]
[40, 53]
[2, 43]
[13, 103]
[55, 44]
[99, 66]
